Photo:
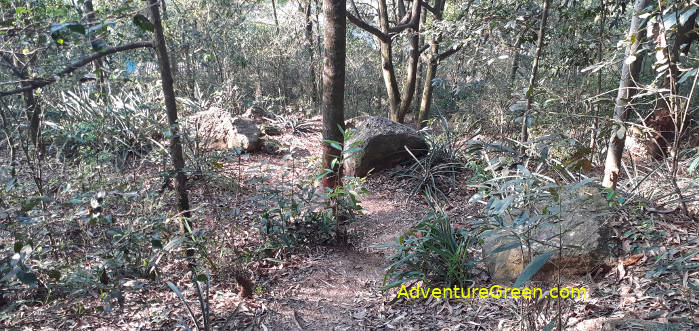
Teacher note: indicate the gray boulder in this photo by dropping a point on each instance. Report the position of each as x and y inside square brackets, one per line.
[585, 238]
[381, 144]
[215, 129]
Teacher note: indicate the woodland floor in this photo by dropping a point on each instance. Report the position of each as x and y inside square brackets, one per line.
[338, 288]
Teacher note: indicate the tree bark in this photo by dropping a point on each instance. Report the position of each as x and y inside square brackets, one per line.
[389, 75]
[274, 10]
[171, 109]
[600, 42]
[627, 89]
[532, 78]
[310, 49]
[426, 101]
[414, 59]
[515, 59]
[33, 114]
[333, 88]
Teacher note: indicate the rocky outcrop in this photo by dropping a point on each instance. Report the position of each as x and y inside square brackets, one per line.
[585, 238]
[217, 130]
[382, 144]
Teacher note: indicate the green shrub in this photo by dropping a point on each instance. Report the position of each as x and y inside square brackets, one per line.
[297, 214]
[434, 251]
[435, 173]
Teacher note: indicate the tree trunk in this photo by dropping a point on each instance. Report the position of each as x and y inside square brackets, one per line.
[309, 48]
[171, 109]
[319, 47]
[426, 102]
[627, 89]
[420, 64]
[274, 10]
[333, 88]
[409, 87]
[532, 79]
[389, 75]
[600, 42]
[515, 60]
[97, 67]
[33, 115]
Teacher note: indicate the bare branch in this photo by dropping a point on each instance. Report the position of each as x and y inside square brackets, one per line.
[37, 83]
[368, 28]
[452, 50]
[412, 23]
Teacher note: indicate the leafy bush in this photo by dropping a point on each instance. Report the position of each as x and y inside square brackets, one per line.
[122, 125]
[295, 124]
[433, 251]
[435, 173]
[297, 215]
[294, 218]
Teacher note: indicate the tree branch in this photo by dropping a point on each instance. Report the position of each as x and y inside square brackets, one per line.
[37, 83]
[413, 22]
[423, 48]
[368, 28]
[428, 7]
[450, 52]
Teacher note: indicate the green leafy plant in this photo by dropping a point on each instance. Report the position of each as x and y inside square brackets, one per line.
[435, 173]
[434, 251]
[298, 215]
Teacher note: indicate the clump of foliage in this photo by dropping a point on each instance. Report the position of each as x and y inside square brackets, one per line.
[296, 214]
[295, 124]
[123, 125]
[435, 173]
[435, 252]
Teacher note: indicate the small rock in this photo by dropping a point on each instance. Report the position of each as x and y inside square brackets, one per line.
[270, 130]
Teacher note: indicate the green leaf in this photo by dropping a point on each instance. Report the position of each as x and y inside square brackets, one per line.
[506, 247]
[334, 144]
[27, 278]
[202, 277]
[532, 268]
[174, 243]
[56, 29]
[143, 23]
[687, 74]
[157, 243]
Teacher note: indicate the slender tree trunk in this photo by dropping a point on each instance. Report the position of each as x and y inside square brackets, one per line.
[600, 42]
[97, 65]
[420, 63]
[319, 46]
[171, 109]
[426, 102]
[388, 70]
[414, 59]
[535, 67]
[310, 49]
[333, 88]
[627, 89]
[515, 60]
[274, 10]
[34, 113]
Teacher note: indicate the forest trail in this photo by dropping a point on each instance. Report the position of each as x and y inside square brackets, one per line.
[339, 288]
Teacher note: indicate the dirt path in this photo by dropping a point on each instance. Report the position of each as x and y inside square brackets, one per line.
[338, 288]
